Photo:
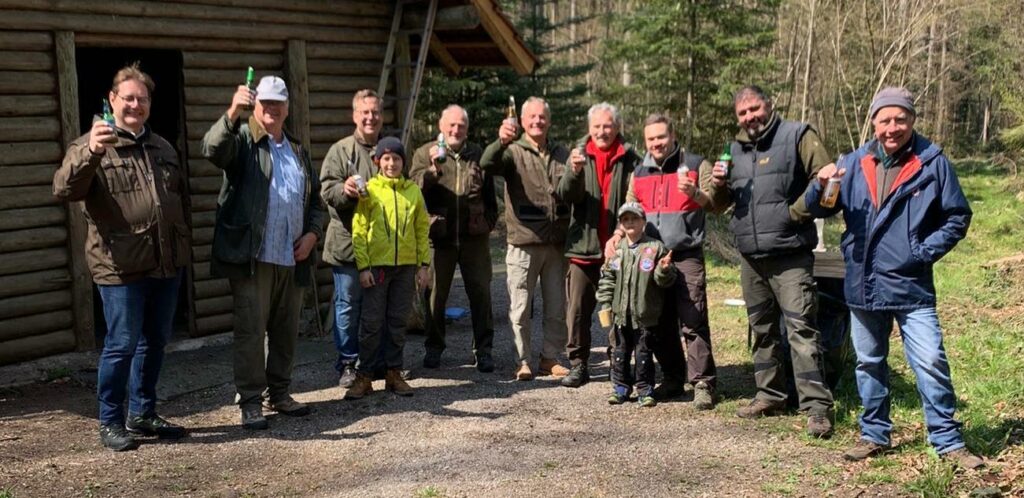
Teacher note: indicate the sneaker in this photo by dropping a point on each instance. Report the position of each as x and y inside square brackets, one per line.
[432, 359]
[669, 388]
[617, 398]
[964, 459]
[552, 368]
[394, 382]
[864, 449]
[252, 418]
[116, 437]
[348, 376]
[360, 387]
[287, 405]
[524, 372]
[703, 396]
[646, 401]
[154, 425]
[485, 362]
[819, 425]
[578, 375]
[760, 408]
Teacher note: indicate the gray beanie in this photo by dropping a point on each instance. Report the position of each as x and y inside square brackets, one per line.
[892, 96]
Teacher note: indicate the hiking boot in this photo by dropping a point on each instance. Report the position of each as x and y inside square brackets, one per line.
[485, 362]
[964, 459]
[394, 382]
[432, 358]
[578, 376]
[864, 449]
[819, 425]
[761, 408]
[287, 405]
[524, 372]
[348, 376]
[360, 387]
[703, 396]
[116, 437]
[617, 398]
[669, 388]
[552, 368]
[154, 425]
[646, 401]
[252, 418]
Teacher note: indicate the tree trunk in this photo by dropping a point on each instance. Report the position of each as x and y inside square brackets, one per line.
[807, 62]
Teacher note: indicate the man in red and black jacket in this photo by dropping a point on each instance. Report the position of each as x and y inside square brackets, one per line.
[595, 186]
[666, 184]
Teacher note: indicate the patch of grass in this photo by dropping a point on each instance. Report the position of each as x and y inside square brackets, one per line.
[776, 489]
[550, 465]
[934, 481]
[429, 492]
[870, 477]
[6, 493]
[55, 373]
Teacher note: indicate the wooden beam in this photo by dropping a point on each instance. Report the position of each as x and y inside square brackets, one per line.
[81, 278]
[363, 9]
[443, 56]
[243, 46]
[470, 45]
[26, 40]
[32, 174]
[37, 281]
[30, 152]
[33, 260]
[456, 18]
[17, 219]
[23, 60]
[37, 346]
[230, 60]
[521, 59]
[26, 82]
[27, 105]
[30, 129]
[298, 86]
[26, 197]
[31, 304]
[346, 51]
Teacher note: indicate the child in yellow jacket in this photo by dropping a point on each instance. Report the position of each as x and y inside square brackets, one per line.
[389, 238]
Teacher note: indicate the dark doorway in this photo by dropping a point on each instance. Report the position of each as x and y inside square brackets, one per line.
[96, 69]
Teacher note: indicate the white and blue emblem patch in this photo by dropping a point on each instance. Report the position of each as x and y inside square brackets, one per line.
[646, 265]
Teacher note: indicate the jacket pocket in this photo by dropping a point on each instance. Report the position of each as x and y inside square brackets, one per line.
[478, 223]
[438, 227]
[181, 245]
[233, 243]
[132, 252]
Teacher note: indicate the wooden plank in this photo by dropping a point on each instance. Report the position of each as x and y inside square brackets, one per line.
[33, 129]
[34, 174]
[226, 77]
[26, 82]
[30, 153]
[23, 60]
[325, 83]
[26, 197]
[177, 43]
[205, 185]
[447, 60]
[217, 323]
[37, 281]
[829, 265]
[24, 326]
[185, 28]
[298, 85]
[33, 238]
[33, 260]
[27, 105]
[37, 346]
[26, 40]
[230, 60]
[17, 219]
[353, 8]
[340, 67]
[35, 303]
[215, 306]
[347, 51]
[212, 288]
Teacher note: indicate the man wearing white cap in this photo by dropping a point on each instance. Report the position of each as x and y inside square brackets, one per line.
[269, 219]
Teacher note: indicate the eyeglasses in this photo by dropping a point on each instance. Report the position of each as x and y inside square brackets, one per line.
[131, 99]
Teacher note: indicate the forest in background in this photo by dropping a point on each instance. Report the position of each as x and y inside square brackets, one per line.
[821, 61]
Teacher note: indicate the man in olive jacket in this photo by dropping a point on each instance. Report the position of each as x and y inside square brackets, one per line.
[463, 208]
[595, 186]
[269, 219]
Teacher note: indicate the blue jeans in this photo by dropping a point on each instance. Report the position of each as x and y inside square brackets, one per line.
[348, 300]
[139, 318]
[922, 344]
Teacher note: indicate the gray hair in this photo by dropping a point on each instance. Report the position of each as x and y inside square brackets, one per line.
[605, 107]
[751, 91]
[452, 107]
[547, 108]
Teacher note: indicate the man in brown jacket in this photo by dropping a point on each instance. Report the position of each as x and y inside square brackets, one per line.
[130, 185]
[537, 222]
[463, 208]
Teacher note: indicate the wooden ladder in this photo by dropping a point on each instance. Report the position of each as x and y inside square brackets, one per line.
[407, 103]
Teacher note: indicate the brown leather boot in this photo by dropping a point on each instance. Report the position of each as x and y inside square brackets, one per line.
[394, 382]
[524, 372]
[362, 386]
[552, 368]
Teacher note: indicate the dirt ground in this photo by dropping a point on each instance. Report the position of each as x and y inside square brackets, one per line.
[464, 433]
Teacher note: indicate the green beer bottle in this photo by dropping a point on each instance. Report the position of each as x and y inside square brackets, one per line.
[108, 115]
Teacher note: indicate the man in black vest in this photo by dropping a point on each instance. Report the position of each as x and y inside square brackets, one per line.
[773, 161]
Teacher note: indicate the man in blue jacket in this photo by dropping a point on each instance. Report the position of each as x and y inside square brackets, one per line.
[904, 210]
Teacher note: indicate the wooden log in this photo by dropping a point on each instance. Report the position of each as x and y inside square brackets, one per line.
[203, 116]
[326, 83]
[200, 167]
[342, 116]
[202, 219]
[298, 82]
[27, 105]
[35, 303]
[213, 324]
[205, 185]
[26, 197]
[24, 326]
[32, 129]
[37, 346]
[34, 260]
[362, 9]
[332, 100]
[26, 40]
[17, 219]
[37, 281]
[200, 254]
[186, 28]
[202, 236]
[829, 265]
[24, 60]
[201, 271]
[230, 60]
[338, 67]
[204, 202]
[33, 238]
[30, 153]
[212, 288]
[26, 82]
[179, 43]
[19, 176]
[226, 77]
[347, 51]
[330, 134]
[215, 306]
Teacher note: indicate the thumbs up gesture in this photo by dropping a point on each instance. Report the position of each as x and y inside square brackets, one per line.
[666, 262]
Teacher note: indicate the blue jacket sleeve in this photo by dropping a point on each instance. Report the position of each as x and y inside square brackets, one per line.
[955, 211]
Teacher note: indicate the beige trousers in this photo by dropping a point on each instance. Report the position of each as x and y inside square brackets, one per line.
[525, 266]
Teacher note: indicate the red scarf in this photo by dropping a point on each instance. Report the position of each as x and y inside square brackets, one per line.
[603, 163]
